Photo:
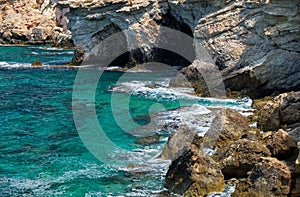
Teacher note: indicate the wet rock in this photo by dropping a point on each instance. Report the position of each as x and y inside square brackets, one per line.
[178, 142]
[282, 146]
[78, 57]
[238, 158]
[36, 63]
[228, 126]
[282, 111]
[194, 175]
[203, 77]
[149, 140]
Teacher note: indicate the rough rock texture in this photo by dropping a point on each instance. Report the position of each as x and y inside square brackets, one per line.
[269, 177]
[33, 22]
[194, 175]
[239, 157]
[204, 77]
[178, 142]
[282, 146]
[255, 44]
[228, 126]
[282, 111]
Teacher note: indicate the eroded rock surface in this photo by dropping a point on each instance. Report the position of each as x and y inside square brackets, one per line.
[33, 22]
[238, 158]
[282, 146]
[254, 44]
[269, 177]
[194, 175]
[282, 111]
[228, 126]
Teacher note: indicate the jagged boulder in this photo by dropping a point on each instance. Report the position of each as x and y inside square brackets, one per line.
[282, 111]
[238, 158]
[194, 175]
[178, 142]
[269, 177]
[282, 146]
[228, 126]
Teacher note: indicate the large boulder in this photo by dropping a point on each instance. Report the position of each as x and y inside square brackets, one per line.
[228, 126]
[282, 146]
[178, 142]
[282, 111]
[194, 175]
[238, 158]
[204, 77]
[269, 177]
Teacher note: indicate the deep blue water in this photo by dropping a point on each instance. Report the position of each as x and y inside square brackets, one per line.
[40, 149]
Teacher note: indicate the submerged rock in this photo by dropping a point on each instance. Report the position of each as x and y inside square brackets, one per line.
[36, 63]
[282, 111]
[149, 140]
[238, 158]
[194, 175]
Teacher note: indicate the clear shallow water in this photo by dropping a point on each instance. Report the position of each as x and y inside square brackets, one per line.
[40, 149]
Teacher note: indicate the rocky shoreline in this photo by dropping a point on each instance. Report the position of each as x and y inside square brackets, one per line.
[255, 47]
[257, 162]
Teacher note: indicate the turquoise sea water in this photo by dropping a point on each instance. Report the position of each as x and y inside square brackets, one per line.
[40, 149]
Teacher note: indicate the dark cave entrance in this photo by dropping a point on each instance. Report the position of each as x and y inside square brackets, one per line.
[131, 58]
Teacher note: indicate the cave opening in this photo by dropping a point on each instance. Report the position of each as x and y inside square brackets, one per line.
[131, 58]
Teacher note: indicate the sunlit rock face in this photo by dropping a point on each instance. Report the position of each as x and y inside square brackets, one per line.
[33, 22]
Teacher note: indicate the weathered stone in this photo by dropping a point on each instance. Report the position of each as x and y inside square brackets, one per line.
[271, 177]
[149, 140]
[194, 175]
[282, 146]
[178, 142]
[238, 158]
[32, 22]
[228, 126]
[282, 111]
[204, 77]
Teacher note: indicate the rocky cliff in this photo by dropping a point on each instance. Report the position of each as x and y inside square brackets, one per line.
[254, 43]
[33, 22]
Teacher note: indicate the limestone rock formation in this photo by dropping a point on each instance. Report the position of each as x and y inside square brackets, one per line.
[254, 44]
[238, 158]
[282, 111]
[33, 22]
[194, 175]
